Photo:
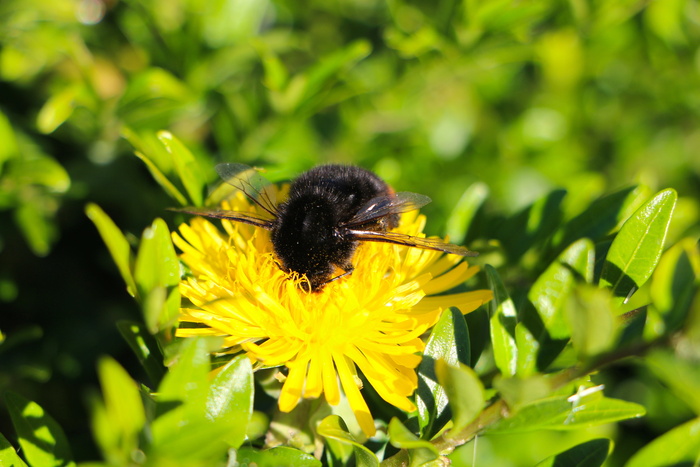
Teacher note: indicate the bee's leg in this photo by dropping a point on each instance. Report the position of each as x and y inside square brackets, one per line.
[347, 272]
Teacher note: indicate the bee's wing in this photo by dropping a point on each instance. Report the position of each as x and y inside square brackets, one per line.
[245, 217]
[248, 180]
[408, 240]
[381, 206]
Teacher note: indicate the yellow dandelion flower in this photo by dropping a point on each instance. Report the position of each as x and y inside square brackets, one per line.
[370, 320]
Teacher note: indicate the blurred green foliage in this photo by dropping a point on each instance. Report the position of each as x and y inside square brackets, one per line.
[538, 128]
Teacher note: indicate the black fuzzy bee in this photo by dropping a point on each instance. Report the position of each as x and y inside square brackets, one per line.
[330, 209]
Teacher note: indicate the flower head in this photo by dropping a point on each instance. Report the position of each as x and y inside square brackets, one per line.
[371, 319]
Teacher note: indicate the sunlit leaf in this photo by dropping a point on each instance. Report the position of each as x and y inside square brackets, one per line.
[145, 347]
[337, 436]
[420, 451]
[503, 321]
[275, 457]
[449, 341]
[57, 109]
[562, 413]
[123, 409]
[464, 211]
[8, 454]
[637, 248]
[116, 243]
[677, 447]
[603, 215]
[464, 391]
[590, 314]
[186, 165]
[157, 274]
[230, 398]
[550, 291]
[42, 440]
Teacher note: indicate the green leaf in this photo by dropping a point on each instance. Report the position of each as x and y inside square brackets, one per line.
[673, 283]
[195, 415]
[275, 457]
[186, 166]
[116, 244]
[57, 109]
[503, 322]
[464, 391]
[303, 88]
[419, 450]
[572, 413]
[9, 149]
[157, 272]
[162, 179]
[42, 440]
[464, 211]
[531, 226]
[589, 454]
[449, 341]
[8, 454]
[678, 373]
[637, 248]
[341, 441]
[145, 347]
[118, 426]
[591, 317]
[551, 290]
[603, 216]
[230, 399]
[677, 447]
[38, 231]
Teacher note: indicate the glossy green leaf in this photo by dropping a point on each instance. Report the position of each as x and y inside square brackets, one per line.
[464, 391]
[590, 313]
[8, 454]
[637, 248]
[562, 413]
[145, 347]
[230, 398]
[589, 454]
[337, 436]
[678, 447]
[186, 166]
[195, 414]
[116, 244]
[551, 290]
[464, 211]
[449, 341]
[673, 283]
[42, 440]
[157, 267]
[276, 457]
[680, 374]
[419, 450]
[503, 321]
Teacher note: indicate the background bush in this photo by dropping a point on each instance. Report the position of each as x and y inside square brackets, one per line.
[516, 101]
